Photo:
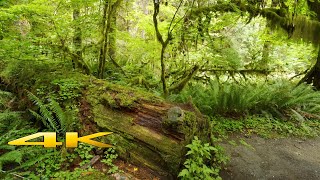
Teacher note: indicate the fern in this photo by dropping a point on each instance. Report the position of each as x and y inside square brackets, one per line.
[5, 94]
[7, 116]
[61, 115]
[13, 154]
[6, 147]
[12, 127]
[33, 152]
[46, 115]
[235, 99]
[40, 118]
[51, 115]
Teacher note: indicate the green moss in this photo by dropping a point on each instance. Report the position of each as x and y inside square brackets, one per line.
[126, 100]
[94, 176]
[139, 144]
[119, 100]
[117, 96]
[190, 123]
[108, 100]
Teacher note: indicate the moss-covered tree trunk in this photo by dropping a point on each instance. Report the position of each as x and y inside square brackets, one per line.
[313, 76]
[77, 58]
[109, 16]
[164, 45]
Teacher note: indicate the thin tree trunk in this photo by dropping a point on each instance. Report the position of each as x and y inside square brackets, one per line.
[77, 40]
[102, 49]
[265, 55]
[112, 39]
[163, 71]
[77, 59]
[164, 45]
[144, 6]
[109, 16]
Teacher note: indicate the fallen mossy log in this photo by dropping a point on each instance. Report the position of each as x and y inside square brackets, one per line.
[147, 130]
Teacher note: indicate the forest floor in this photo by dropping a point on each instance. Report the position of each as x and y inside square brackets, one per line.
[258, 158]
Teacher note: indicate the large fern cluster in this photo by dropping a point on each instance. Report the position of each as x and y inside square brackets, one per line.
[278, 99]
[14, 159]
[51, 115]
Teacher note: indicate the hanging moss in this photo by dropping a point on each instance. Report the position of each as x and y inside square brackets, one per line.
[299, 27]
[306, 29]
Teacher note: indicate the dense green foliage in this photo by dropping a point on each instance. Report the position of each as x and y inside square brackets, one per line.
[250, 66]
[277, 99]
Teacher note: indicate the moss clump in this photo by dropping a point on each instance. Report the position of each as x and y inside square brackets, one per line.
[174, 119]
[118, 100]
[126, 100]
[94, 175]
[108, 100]
[117, 96]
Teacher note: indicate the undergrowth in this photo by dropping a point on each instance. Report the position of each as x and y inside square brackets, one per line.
[278, 100]
[266, 127]
[36, 162]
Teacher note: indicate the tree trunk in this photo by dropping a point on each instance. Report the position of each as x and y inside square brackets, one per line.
[77, 40]
[112, 45]
[265, 55]
[110, 12]
[164, 45]
[313, 76]
[102, 56]
[144, 7]
[163, 71]
[77, 59]
[112, 39]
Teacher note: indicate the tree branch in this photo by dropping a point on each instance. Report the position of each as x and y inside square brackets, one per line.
[155, 21]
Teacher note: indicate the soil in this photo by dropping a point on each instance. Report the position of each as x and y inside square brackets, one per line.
[287, 158]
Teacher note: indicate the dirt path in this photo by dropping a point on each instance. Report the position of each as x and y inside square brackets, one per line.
[288, 158]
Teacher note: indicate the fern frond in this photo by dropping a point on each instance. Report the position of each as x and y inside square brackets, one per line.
[40, 118]
[297, 116]
[9, 120]
[60, 115]
[47, 115]
[5, 94]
